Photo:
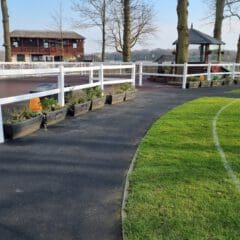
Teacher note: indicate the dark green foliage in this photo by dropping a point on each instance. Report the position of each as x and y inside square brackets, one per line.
[21, 115]
[50, 104]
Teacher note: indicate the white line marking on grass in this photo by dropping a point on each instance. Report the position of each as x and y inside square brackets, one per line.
[226, 164]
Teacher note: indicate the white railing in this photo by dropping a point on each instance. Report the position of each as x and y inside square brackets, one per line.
[60, 72]
[233, 70]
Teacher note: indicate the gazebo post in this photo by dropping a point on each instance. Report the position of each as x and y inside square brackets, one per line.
[206, 53]
[201, 52]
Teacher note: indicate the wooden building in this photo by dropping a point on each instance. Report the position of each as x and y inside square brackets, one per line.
[34, 46]
[204, 42]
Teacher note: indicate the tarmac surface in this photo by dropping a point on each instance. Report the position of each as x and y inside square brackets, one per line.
[67, 183]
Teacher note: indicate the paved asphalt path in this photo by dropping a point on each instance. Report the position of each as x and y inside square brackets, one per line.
[67, 183]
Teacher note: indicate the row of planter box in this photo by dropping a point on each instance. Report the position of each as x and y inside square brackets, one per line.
[17, 130]
[213, 83]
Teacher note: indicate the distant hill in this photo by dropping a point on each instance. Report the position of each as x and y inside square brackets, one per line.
[152, 55]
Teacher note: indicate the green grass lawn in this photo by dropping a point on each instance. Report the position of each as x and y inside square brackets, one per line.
[235, 91]
[179, 188]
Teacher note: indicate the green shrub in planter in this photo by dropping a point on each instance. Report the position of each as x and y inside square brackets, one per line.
[78, 103]
[237, 81]
[228, 80]
[115, 95]
[193, 82]
[53, 112]
[96, 96]
[130, 91]
[21, 123]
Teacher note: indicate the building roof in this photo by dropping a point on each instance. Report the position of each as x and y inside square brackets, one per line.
[165, 58]
[45, 34]
[197, 37]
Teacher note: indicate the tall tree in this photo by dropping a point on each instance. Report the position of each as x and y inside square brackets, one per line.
[233, 10]
[182, 27]
[141, 23]
[127, 31]
[219, 16]
[5, 20]
[92, 13]
[57, 25]
[238, 51]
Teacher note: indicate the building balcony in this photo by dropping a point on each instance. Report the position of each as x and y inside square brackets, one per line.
[51, 51]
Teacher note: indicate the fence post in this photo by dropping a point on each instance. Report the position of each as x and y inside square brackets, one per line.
[1, 126]
[209, 72]
[61, 100]
[101, 77]
[233, 71]
[91, 75]
[133, 77]
[140, 73]
[184, 76]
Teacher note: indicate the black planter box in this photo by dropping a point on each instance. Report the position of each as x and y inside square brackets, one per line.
[130, 95]
[115, 98]
[228, 82]
[79, 109]
[237, 81]
[98, 103]
[193, 84]
[17, 130]
[54, 117]
[206, 84]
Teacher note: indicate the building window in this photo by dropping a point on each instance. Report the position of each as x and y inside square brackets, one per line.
[15, 44]
[45, 45]
[37, 58]
[74, 45]
[20, 57]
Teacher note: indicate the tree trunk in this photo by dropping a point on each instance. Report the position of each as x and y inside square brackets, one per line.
[103, 30]
[219, 16]
[182, 27]
[127, 31]
[238, 51]
[5, 20]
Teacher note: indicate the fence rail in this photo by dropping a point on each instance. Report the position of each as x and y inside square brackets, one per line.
[60, 72]
[233, 70]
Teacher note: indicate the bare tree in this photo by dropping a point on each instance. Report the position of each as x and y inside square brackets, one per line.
[126, 31]
[57, 25]
[238, 51]
[141, 16]
[5, 20]
[233, 10]
[182, 27]
[92, 13]
[219, 16]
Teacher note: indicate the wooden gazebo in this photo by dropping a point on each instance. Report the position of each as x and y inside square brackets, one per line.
[199, 38]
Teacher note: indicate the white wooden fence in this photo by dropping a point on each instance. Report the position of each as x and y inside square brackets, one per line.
[233, 70]
[60, 72]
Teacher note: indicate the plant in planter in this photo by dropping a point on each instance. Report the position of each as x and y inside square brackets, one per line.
[96, 96]
[21, 123]
[193, 82]
[115, 95]
[205, 83]
[78, 103]
[237, 80]
[228, 80]
[130, 91]
[217, 81]
[53, 113]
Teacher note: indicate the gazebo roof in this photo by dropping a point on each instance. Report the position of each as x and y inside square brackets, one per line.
[199, 38]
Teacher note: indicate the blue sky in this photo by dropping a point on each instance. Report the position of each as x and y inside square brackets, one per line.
[36, 14]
